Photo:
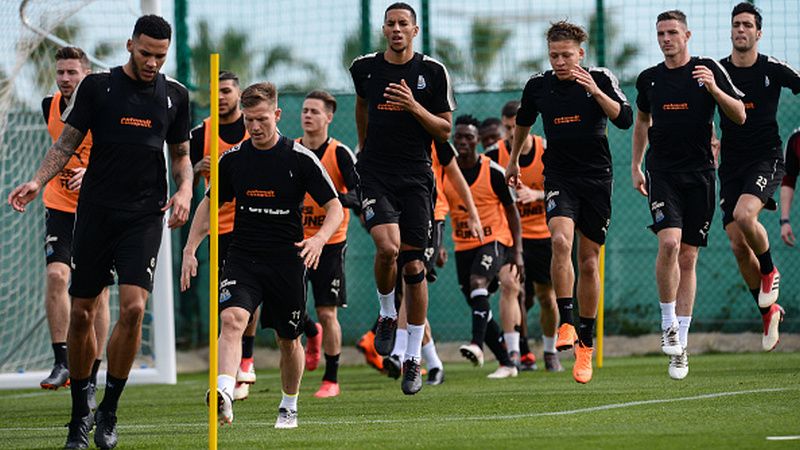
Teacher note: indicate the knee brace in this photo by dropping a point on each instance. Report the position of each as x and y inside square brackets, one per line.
[407, 256]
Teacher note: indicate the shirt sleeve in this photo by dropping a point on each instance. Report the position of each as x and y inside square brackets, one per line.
[642, 85]
[318, 182]
[792, 161]
[500, 187]
[528, 111]
[82, 105]
[445, 152]
[722, 78]
[179, 128]
[443, 99]
[46, 102]
[346, 161]
[786, 75]
[493, 154]
[197, 143]
[359, 74]
[609, 84]
[225, 179]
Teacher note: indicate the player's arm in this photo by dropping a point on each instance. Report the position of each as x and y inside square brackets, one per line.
[312, 247]
[182, 173]
[512, 171]
[437, 125]
[455, 176]
[610, 107]
[54, 160]
[503, 192]
[526, 116]
[201, 164]
[787, 234]
[788, 186]
[715, 144]
[726, 96]
[362, 109]
[643, 122]
[347, 167]
[197, 232]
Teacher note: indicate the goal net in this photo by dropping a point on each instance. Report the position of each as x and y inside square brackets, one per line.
[34, 29]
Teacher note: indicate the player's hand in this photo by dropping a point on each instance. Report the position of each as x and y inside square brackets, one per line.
[441, 257]
[584, 78]
[188, 270]
[787, 234]
[400, 95]
[203, 167]
[76, 181]
[705, 76]
[527, 195]
[512, 174]
[519, 266]
[311, 249]
[23, 194]
[475, 227]
[180, 204]
[638, 180]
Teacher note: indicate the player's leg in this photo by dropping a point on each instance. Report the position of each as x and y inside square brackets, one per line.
[473, 280]
[588, 294]
[101, 327]
[291, 372]
[246, 372]
[431, 357]
[416, 305]
[387, 249]
[393, 364]
[233, 321]
[329, 295]
[509, 308]
[562, 231]
[548, 320]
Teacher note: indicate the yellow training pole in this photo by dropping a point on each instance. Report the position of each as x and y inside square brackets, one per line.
[213, 305]
[601, 307]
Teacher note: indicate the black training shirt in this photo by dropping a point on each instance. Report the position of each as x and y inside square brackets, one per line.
[130, 121]
[761, 83]
[269, 187]
[682, 112]
[396, 142]
[574, 123]
[792, 160]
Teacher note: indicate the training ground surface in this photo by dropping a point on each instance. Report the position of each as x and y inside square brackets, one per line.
[727, 401]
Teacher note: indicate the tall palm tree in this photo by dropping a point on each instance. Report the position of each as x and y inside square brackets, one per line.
[282, 57]
[487, 39]
[235, 56]
[618, 62]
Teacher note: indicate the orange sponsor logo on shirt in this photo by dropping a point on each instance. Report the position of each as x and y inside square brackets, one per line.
[567, 119]
[389, 107]
[675, 106]
[749, 105]
[134, 122]
[259, 193]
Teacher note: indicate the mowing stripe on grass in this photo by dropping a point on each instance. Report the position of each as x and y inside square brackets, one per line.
[783, 438]
[452, 418]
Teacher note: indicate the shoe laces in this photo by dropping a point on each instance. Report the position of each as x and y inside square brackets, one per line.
[679, 361]
[386, 330]
[411, 369]
[286, 415]
[669, 337]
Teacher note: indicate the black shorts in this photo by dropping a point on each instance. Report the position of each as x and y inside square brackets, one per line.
[108, 241]
[278, 285]
[327, 281]
[224, 242]
[406, 200]
[537, 254]
[760, 178]
[587, 201]
[682, 200]
[484, 261]
[434, 245]
[58, 242]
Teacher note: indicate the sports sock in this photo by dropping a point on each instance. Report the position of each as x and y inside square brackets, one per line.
[549, 343]
[248, 342]
[524, 347]
[512, 341]
[400, 342]
[95, 368]
[754, 293]
[765, 262]
[414, 346]
[310, 327]
[388, 308]
[585, 331]
[226, 383]
[479, 301]
[60, 353]
[114, 387]
[667, 315]
[430, 356]
[331, 368]
[683, 329]
[79, 390]
[496, 343]
[565, 310]
[289, 401]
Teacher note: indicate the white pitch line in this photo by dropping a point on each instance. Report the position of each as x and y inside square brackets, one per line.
[783, 438]
[451, 418]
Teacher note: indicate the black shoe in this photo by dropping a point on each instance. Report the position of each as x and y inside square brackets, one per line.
[384, 335]
[551, 362]
[435, 376]
[78, 434]
[392, 366]
[91, 395]
[105, 435]
[59, 377]
[412, 378]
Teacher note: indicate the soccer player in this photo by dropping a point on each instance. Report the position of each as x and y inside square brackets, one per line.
[498, 256]
[536, 245]
[60, 198]
[575, 104]
[268, 175]
[231, 133]
[327, 280]
[751, 165]
[676, 101]
[131, 111]
[788, 186]
[490, 132]
[404, 101]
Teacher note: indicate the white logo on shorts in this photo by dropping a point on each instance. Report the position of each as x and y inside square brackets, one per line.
[486, 261]
[704, 230]
[761, 182]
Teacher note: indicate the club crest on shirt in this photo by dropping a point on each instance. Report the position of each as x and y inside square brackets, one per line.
[766, 81]
[421, 82]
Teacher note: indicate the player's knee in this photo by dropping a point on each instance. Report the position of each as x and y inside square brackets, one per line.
[745, 215]
[741, 251]
[131, 313]
[326, 314]
[387, 253]
[413, 266]
[287, 346]
[232, 321]
[687, 260]
[588, 265]
[669, 246]
[57, 278]
[80, 316]
[562, 245]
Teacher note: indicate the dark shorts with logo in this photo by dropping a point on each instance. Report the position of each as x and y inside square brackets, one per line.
[760, 179]
[587, 201]
[108, 241]
[327, 280]
[58, 242]
[279, 286]
[484, 261]
[682, 200]
[537, 254]
[406, 200]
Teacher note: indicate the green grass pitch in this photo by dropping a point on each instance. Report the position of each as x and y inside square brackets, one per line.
[727, 401]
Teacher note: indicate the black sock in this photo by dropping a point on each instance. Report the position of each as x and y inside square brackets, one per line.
[496, 343]
[309, 327]
[765, 261]
[331, 368]
[114, 387]
[754, 293]
[95, 368]
[79, 390]
[60, 353]
[480, 317]
[565, 310]
[247, 346]
[524, 348]
[585, 331]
